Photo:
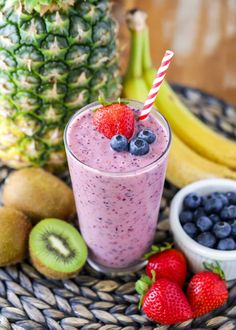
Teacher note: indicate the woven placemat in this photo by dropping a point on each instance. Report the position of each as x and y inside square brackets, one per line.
[93, 300]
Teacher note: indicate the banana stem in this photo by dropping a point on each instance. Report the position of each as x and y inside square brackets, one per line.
[147, 59]
[136, 23]
[135, 60]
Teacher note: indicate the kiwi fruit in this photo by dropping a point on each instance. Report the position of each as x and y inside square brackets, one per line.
[14, 234]
[57, 249]
[38, 194]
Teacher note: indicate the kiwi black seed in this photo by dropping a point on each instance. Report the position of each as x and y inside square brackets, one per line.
[57, 249]
[14, 234]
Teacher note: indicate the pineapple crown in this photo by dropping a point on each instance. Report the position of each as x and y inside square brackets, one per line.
[43, 6]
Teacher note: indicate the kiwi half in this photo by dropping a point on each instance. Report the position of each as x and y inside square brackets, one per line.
[14, 234]
[57, 249]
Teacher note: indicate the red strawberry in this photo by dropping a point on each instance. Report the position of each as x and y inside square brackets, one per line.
[114, 119]
[207, 291]
[167, 263]
[164, 302]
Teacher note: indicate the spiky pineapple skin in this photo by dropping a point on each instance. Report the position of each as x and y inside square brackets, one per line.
[50, 66]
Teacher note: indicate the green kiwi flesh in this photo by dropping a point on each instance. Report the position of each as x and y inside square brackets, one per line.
[57, 249]
[14, 234]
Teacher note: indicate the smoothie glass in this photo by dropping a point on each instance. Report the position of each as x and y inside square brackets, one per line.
[118, 211]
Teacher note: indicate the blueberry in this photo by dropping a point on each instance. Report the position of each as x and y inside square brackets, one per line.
[222, 196]
[147, 135]
[207, 239]
[192, 201]
[228, 212]
[213, 205]
[233, 227]
[204, 223]
[138, 147]
[199, 212]
[185, 216]
[231, 197]
[190, 229]
[214, 218]
[119, 143]
[204, 199]
[226, 244]
[222, 229]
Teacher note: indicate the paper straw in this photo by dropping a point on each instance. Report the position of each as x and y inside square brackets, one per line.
[160, 75]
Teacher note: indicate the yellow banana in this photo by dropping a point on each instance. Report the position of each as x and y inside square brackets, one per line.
[186, 126]
[186, 166]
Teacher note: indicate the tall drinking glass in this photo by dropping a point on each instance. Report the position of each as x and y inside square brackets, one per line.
[117, 194]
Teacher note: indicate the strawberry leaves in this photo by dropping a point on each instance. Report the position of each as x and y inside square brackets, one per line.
[105, 103]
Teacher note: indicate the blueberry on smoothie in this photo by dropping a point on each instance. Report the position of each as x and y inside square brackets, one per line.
[148, 135]
[138, 147]
[119, 143]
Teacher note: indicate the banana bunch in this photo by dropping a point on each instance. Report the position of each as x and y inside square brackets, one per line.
[197, 152]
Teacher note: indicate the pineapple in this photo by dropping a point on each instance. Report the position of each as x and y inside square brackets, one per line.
[55, 57]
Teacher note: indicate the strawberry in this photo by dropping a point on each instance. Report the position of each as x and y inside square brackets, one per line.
[112, 119]
[164, 302]
[207, 290]
[167, 263]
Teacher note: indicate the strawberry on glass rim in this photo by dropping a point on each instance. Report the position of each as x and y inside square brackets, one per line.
[114, 118]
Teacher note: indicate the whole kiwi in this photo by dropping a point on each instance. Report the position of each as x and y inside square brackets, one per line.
[14, 233]
[38, 194]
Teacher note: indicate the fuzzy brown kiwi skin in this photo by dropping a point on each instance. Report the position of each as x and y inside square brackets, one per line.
[15, 229]
[39, 195]
[49, 273]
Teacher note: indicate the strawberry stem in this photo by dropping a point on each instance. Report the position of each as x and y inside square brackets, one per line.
[142, 286]
[105, 103]
[155, 249]
[215, 268]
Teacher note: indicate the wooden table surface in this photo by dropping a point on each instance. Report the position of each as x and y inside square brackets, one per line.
[202, 34]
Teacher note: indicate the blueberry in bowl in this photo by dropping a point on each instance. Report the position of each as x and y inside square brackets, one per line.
[203, 222]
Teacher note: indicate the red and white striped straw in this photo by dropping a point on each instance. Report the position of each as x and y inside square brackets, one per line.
[160, 75]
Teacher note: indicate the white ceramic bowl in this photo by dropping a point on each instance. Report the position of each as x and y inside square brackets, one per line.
[196, 253]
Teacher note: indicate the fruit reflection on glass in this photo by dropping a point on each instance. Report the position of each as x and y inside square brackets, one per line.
[55, 57]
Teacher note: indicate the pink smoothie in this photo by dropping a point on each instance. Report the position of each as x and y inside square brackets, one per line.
[117, 194]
